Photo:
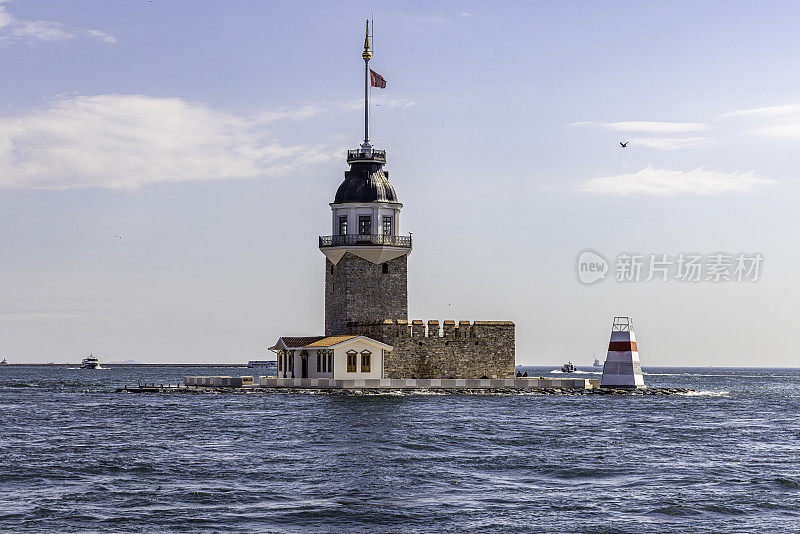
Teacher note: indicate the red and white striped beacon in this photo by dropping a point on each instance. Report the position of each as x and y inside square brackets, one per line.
[622, 368]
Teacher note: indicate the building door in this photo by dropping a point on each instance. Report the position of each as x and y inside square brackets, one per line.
[304, 363]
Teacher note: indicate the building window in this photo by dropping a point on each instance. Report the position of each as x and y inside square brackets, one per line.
[343, 225]
[385, 268]
[364, 225]
[319, 361]
[291, 363]
[352, 356]
[366, 356]
[387, 226]
[280, 361]
[330, 362]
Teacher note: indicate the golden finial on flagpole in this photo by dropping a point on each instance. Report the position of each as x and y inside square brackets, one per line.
[367, 53]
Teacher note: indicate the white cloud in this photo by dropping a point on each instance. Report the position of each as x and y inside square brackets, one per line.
[303, 113]
[581, 123]
[785, 121]
[788, 129]
[103, 36]
[12, 29]
[771, 111]
[657, 127]
[662, 182]
[672, 143]
[127, 142]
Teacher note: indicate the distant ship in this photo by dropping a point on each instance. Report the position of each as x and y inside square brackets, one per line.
[568, 367]
[597, 363]
[4, 362]
[90, 363]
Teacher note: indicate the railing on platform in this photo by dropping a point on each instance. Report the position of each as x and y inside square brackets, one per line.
[366, 154]
[355, 239]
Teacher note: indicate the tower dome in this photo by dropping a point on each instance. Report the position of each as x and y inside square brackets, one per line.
[365, 183]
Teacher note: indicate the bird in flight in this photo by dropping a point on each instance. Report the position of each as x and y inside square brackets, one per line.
[624, 145]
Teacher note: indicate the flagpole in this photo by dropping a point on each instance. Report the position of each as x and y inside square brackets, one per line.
[366, 55]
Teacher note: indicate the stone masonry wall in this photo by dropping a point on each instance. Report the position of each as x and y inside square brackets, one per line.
[483, 349]
[357, 290]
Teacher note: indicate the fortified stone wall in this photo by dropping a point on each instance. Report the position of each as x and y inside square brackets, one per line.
[357, 290]
[483, 349]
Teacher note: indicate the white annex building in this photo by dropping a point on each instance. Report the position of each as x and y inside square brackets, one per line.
[334, 357]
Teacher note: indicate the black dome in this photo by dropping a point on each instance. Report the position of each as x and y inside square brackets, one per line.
[365, 182]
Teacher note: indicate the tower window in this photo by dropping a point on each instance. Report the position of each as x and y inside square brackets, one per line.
[366, 356]
[385, 268]
[331, 268]
[364, 225]
[387, 226]
[343, 225]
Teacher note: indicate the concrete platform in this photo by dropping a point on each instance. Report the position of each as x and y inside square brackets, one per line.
[387, 383]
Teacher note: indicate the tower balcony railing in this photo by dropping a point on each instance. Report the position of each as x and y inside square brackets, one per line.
[355, 239]
[366, 154]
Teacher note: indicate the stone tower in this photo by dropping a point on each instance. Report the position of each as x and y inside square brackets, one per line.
[366, 277]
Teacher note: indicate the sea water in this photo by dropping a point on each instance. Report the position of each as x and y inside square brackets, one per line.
[76, 456]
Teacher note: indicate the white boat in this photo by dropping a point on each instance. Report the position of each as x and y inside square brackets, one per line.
[568, 367]
[90, 363]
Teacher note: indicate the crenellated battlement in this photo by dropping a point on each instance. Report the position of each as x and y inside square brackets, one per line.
[450, 349]
[433, 328]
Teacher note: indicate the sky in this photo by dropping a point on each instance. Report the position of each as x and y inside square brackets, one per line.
[166, 168]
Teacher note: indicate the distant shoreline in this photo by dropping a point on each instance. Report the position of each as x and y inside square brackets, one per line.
[127, 365]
